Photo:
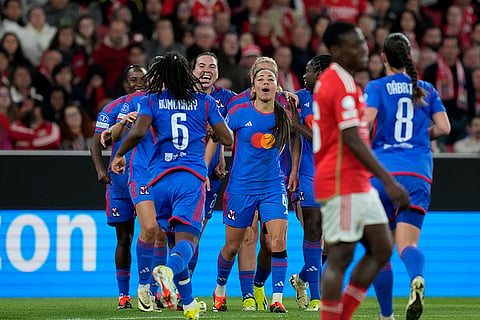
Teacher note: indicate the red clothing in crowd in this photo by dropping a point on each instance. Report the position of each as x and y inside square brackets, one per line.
[345, 10]
[46, 136]
[113, 61]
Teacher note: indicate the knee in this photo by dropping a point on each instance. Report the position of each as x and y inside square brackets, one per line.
[149, 232]
[230, 251]
[278, 244]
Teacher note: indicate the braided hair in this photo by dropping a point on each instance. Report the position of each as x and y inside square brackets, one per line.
[172, 72]
[398, 53]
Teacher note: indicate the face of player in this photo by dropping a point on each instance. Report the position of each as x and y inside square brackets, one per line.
[135, 80]
[265, 85]
[352, 53]
[310, 76]
[206, 69]
[263, 65]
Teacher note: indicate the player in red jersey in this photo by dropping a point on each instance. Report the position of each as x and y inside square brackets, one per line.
[351, 209]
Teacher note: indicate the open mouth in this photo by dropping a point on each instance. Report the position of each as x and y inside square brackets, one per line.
[265, 90]
[206, 77]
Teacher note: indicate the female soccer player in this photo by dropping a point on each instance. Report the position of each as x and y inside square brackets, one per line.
[262, 129]
[400, 109]
[179, 116]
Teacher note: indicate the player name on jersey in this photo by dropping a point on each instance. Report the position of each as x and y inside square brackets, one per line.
[171, 104]
[399, 88]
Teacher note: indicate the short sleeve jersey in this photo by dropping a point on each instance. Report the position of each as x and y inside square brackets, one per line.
[340, 105]
[401, 140]
[180, 130]
[306, 117]
[256, 158]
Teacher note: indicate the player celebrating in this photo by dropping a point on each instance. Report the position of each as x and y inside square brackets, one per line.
[179, 117]
[120, 209]
[306, 207]
[351, 209]
[400, 107]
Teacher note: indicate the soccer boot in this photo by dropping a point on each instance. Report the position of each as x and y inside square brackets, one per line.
[415, 302]
[314, 305]
[277, 307]
[164, 276]
[195, 313]
[124, 302]
[390, 317]
[144, 298]
[219, 303]
[248, 304]
[260, 298]
[300, 290]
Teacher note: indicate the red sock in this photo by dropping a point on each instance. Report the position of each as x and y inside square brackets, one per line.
[331, 310]
[351, 299]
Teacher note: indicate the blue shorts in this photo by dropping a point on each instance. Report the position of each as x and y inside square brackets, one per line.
[179, 199]
[419, 191]
[304, 193]
[211, 197]
[119, 207]
[239, 209]
[139, 191]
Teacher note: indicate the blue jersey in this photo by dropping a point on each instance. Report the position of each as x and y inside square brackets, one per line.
[401, 140]
[180, 130]
[306, 117]
[222, 96]
[105, 119]
[256, 159]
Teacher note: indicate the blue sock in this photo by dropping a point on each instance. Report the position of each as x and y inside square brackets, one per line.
[159, 258]
[193, 262]
[303, 273]
[312, 254]
[414, 261]
[279, 270]
[261, 275]
[223, 269]
[383, 285]
[144, 261]
[123, 281]
[184, 286]
[180, 256]
[246, 283]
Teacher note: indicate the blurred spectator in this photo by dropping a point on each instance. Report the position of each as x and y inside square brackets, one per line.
[32, 132]
[7, 108]
[245, 39]
[147, 20]
[75, 127]
[366, 23]
[346, 10]
[137, 54]
[456, 26]
[471, 57]
[283, 17]
[95, 91]
[454, 85]
[108, 7]
[471, 143]
[264, 36]
[432, 37]
[63, 76]
[248, 56]
[182, 19]
[11, 44]
[475, 35]
[384, 16]
[112, 54]
[40, 31]
[163, 40]
[55, 103]
[61, 12]
[204, 37]
[375, 66]
[4, 68]
[85, 35]
[476, 88]
[423, 20]
[362, 77]
[301, 50]
[221, 25]
[42, 78]
[407, 24]
[120, 13]
[245, 20]
[12, 10]
[203, 11]
[21, 87]
[286, 77]
[188, 39]
[379, 36]
[228, 58]
[427, 58]
[320, 24]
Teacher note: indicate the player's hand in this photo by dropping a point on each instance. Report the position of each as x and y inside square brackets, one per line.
[398, 195]
[105, 136]
[118, 164]
[131, 117]
[294, 111]
[104, 178]
[291, 96]
[220, 168]
[207, 184]
[293, 182]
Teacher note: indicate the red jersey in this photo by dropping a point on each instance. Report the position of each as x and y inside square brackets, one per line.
[345, 10]
[338, 105]
[45, 137]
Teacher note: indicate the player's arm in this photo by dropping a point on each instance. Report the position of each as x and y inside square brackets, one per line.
[362, 152]
[133, 138]
[295, 153]
[210, 150]
[223, 133]
[297, 126]
[120, 128]
[440, 126]
[96, 154]
[371, 114]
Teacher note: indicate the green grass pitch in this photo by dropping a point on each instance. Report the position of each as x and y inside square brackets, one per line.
[105, 308]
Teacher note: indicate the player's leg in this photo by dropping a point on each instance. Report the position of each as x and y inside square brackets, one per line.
[123, 260]
[160, 252]
[264, 268]
[246, 266]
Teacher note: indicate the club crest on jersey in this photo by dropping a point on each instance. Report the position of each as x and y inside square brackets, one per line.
[124, 108]
[144, 190]
[115, 212]
[103, 118]
[232, 215]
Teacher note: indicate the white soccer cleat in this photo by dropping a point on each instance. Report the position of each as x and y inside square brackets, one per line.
[390, 317]
[168, 296]
[415, 302]
[300, 290]
[144, 298]
[195, 313]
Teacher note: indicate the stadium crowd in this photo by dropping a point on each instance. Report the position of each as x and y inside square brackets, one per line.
[61, 61]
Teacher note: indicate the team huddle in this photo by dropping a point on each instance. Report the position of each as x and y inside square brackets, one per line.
[310, 149]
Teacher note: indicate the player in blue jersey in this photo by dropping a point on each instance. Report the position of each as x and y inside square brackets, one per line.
[400, 109]
[179, 117]
[205, 68]
[120, 209]
[307, 208]
[262, 129]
